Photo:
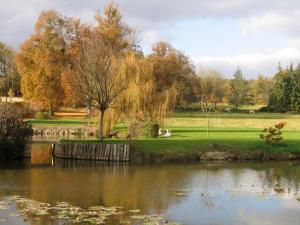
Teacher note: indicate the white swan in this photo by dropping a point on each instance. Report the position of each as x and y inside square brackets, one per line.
[160, 132]
[167, 134]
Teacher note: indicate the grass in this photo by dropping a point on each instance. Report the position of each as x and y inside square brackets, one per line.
[229, 131]
[192, 140]
[59, 121]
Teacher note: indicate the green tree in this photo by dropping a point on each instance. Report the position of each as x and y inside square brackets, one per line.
[280, 94]
[237, 89]
[295, 95]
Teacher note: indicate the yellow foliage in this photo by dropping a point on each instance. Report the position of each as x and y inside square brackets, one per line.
[142, 101]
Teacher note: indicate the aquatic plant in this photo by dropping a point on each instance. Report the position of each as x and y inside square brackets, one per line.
[65, 213]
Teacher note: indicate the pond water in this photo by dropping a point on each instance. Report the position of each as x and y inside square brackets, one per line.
[46, 191]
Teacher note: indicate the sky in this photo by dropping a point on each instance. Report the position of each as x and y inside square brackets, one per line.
[254, 35]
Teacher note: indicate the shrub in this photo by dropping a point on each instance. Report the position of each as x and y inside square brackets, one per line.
[150, 130]
[272, 134]
[134, 129]
[14, 132]
[264, 109]
[42, 116]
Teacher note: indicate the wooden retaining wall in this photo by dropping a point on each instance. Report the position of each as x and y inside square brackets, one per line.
[100, 152]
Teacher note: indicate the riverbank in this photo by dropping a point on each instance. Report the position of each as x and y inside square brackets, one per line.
[232, 136]
[168, 150]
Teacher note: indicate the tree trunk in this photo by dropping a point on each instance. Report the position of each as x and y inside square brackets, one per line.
[237, 102]
[207, 130]
[101, 128]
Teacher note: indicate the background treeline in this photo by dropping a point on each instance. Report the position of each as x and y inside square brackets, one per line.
[285, 93]
[254, 91]
[210, 87]
[45, 59]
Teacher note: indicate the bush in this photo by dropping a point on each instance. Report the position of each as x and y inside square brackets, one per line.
[264, 109]
[42, 116]
[134, 129]
[14, 132]
[272, 134]
[150, 130]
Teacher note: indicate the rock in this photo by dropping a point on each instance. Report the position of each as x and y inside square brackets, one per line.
[217, 155]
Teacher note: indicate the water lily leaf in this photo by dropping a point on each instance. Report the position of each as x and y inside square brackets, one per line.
[41, 213]
[139, 217]
[134, 211]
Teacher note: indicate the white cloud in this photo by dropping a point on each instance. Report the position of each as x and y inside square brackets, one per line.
[149, 37]
[249, 63]
[152, 17]
[278, 21]
[146, 15]
[268, 217]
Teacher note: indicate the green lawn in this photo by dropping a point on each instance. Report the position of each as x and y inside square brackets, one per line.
[191, 139]
[59, 121]
[234, 115]
[229, 131]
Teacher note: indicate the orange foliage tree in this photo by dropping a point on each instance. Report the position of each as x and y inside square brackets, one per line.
[97, 68]
[42, 60]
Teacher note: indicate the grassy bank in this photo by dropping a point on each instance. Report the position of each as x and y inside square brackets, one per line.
[191, 140]
[58, 121]
[235, 132]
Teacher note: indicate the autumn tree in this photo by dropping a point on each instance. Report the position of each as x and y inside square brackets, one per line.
[187, 91]
[77, 32]
[153, 84]
[42, 60]
[170, 72]
[261, 88]
[171, 66]
[9, 76]
[210, 91]
[143, 100]
[98, 68]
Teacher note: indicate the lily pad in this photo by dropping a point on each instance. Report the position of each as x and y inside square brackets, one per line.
[134, 211]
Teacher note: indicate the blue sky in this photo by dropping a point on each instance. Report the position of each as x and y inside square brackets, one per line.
[220, 34]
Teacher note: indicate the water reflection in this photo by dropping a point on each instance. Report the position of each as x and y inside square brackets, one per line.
[230, 193]
[41, 154]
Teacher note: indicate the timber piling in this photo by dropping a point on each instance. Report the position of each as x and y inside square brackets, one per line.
[97, 152]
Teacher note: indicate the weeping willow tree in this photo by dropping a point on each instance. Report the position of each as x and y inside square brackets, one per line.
[152, 85]
[142, 102]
